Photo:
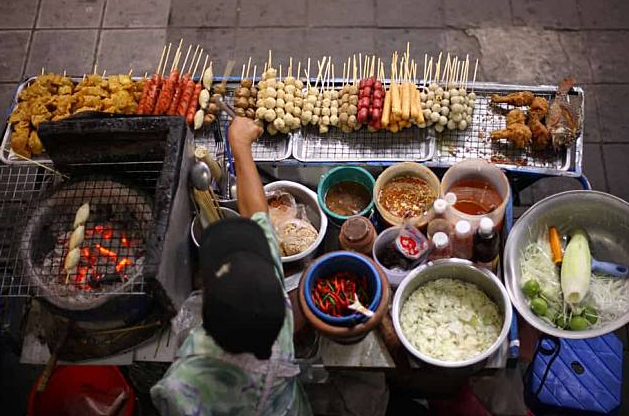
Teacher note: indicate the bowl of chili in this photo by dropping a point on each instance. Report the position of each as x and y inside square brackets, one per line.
[332, 281]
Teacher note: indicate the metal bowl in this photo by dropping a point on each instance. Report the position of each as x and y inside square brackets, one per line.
[314, 212]
[453, 269]
[604, 218]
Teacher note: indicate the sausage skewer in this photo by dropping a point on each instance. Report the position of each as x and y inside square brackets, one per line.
[192, 108]
[166, 94]
[188, 91]
[149, 85]
[156, 87]
[172, 109]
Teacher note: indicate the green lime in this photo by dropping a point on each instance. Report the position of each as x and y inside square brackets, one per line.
[590, 314]
[561, 321]
[578, 323]
[539, 306]
[531, 288]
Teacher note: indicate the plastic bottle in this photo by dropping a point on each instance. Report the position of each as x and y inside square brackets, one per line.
[486, 244]
[439, 222]
[442, 249]
[462, 240]
[450, 198]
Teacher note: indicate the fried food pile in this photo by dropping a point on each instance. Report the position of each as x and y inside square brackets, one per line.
[53, 97]
[546, 125]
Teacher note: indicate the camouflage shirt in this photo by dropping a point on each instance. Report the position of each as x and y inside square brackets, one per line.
[206, 380]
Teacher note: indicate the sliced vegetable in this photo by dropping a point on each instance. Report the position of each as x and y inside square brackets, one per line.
[555, 245]
[576, 268]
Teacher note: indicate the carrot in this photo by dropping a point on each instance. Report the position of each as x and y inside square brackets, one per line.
[555, 245]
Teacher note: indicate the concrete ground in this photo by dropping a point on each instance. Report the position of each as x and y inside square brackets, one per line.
[528, 41]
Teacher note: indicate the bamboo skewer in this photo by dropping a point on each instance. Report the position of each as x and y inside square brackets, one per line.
[474, 79]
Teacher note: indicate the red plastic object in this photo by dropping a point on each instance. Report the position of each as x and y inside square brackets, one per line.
[74, 390]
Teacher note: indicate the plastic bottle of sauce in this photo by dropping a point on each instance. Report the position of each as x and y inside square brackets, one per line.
[450, 198]
[486, 244]
[439, 222]
[462, 240]
[357, 234]
[442, 248]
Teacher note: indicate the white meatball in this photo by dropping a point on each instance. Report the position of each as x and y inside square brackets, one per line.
[299, 84]
[434, 117]
[290, 89]
[280, 112]
[335, 95]
[278, 123]
[311, 99]
[435, 108]
[334, 111]
[439, 128]
[472, 104]
[327, 95]
[306, 115]
[451, 125]
[462, 125]
[309, 106]
[298, 93]
[325, 120]
[334, 103]
[279, 103]
[271, 92]
[296, 111]
[271, 83]
[456, 117]
[280, 94]
[289, 81]
[288, 119]
[468, 119]
[323, 129]
[315, 120]
[445, 102]
[271, 129]
[280, 85]
[326, 102]
[427, 113]
[289, 107]
[462, 91]
[269, 115]
[446, 95]
[423, 96]
[453, 92]
[433, 87]
[325, 111]
[439, 91]
[261, 95]
[334, 120]
[269, 102]
[261, 86]
[271, 73]
[299, 102]
[260, 112]
[443, 120]
[423, 105]
[289, 98]
[352, 110]
[472, 96]
[445, 111]
[260, 103]
[430, 96]
[317, 111]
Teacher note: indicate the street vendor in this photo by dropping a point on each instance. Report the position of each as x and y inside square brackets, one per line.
[240, 360]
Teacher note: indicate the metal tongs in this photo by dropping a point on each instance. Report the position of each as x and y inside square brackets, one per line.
[226, 107]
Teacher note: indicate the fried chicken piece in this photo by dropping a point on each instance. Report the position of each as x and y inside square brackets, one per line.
[518, 99]
[515, 116]
[35, 144]
[518, 134]
[19, 142]
[540, 135]
[20, 113]
[539, 108]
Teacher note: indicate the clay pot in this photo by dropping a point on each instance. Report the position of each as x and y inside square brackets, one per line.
[347, 334]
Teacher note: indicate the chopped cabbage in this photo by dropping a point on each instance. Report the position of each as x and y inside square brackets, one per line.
[450, 320]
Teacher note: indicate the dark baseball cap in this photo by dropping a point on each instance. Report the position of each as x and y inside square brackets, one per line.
[243, 301]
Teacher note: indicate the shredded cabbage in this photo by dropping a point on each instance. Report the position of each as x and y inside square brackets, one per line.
[450, 320]
[607, 295]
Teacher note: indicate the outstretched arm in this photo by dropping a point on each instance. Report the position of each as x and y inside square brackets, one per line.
[251, 199]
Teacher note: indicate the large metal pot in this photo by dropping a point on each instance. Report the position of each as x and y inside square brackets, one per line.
[604, 218]
[453, 269]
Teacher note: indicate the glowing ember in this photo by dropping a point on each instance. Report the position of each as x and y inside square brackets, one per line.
[106, 255]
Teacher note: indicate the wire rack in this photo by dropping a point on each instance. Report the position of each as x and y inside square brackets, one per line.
[266, 149]
[37, 209]
[362, 146]
[475, 142]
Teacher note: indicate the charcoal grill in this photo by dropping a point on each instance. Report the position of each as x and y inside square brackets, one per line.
[140, 210]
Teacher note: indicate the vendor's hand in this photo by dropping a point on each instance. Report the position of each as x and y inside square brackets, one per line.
[242, 133]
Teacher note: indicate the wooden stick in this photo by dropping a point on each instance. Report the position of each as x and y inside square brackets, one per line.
[280, 73]
[41, 165]
[248, 66]
[242, 74]
[474, 79]
[228, 71]
[298, 70]
[166, 61]
[204, 65]
[355, 70]
[196, 65]
[194, 56]
[185, 61]
[467, 69]
[360, 65]
[290, 66]
[253, 79]
[308, 75]
[270, 60]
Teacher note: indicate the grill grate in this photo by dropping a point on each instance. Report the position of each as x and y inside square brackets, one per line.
[454, 145]
[35, 202]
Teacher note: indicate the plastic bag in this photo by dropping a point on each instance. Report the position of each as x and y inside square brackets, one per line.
[295, 236]
[188, 317]
[282, 207]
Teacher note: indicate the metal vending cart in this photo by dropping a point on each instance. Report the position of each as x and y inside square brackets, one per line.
[303, 156]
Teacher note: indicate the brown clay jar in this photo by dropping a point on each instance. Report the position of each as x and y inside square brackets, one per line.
[357, 234]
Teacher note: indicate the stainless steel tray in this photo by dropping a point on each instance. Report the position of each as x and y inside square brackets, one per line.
[6, 154]
[266, 149]
[361, 146]
[475, 142]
